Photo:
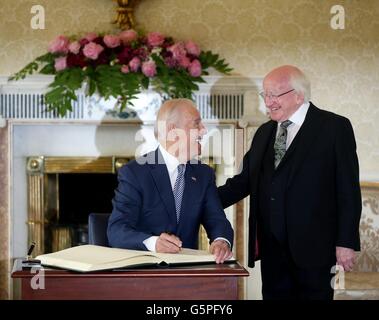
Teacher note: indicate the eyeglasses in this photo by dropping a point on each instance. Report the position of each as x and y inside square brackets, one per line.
[273, 96]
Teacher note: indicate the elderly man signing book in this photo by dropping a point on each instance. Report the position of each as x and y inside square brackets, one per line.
[164, 196]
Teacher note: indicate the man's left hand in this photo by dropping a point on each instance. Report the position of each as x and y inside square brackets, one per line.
[345, 258]
[221, 250]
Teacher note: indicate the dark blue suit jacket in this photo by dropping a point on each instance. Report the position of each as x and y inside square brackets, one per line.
[144, 205]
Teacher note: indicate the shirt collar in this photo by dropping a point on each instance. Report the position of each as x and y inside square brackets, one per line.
[170, 161]
[299, 116]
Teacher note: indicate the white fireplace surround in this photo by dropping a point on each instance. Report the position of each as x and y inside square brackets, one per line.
[95, 129]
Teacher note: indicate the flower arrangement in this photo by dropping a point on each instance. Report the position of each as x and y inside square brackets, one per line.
[121, 66]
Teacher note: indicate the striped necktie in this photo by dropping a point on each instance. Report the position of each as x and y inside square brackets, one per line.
[179, 189]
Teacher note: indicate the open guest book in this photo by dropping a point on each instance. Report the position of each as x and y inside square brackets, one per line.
[88, 258]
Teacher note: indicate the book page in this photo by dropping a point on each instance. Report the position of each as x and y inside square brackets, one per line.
[186, 255]
[91, 258]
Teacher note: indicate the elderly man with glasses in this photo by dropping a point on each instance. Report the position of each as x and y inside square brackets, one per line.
[302, 176]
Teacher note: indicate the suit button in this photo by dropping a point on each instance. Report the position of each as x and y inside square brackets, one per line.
[272, 199]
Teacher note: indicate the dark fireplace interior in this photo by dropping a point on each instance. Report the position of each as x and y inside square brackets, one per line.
[83, 193]
[79, 194]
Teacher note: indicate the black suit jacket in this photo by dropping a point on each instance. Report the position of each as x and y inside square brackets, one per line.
[322, 196]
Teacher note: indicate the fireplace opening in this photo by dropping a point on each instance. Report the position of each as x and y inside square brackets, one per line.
[81, 194]
[62, 192]
[78, 196]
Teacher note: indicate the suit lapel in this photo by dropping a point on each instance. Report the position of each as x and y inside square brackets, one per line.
[304, 140]
[259, 151]
[162, 182]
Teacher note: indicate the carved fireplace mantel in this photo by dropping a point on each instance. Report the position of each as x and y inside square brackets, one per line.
[221, 98]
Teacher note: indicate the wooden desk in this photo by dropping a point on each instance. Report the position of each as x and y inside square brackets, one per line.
[205, 282]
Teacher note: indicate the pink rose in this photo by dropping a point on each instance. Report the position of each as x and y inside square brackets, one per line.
[92, 50]
[192, 48]
[184, 61]
[155, 39]
[111, 41]
[134, 64]
[125, 69]
[128, 36]
[195, 68]
[149, 69]
[60, 63]
[91, 36]
[59, 45]
[177, 50]
[74, 47]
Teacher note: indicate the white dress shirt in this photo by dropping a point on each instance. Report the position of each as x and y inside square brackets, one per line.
[297, 120]
[172, 168]
[171, 164]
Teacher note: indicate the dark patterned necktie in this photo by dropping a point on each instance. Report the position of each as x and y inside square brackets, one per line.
[280, 142]
[179, 189]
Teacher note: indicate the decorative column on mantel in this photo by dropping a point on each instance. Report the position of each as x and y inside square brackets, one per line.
[4, 215]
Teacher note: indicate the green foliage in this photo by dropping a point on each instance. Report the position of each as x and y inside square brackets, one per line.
[62, 93]
[176, 83]
[108, 80]
[209, 59]
[47, 60]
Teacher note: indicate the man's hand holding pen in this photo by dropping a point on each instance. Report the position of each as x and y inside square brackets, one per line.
[168, 243]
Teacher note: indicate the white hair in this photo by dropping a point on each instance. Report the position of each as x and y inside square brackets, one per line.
[301, 84]
[170, 113]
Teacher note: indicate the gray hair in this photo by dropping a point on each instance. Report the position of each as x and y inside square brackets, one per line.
[169, 113]
[301, 84]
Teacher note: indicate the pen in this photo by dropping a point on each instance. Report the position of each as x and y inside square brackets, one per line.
[173, 234]
[31, 248]
[29, 261]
